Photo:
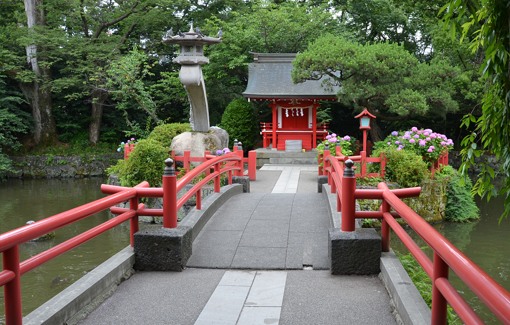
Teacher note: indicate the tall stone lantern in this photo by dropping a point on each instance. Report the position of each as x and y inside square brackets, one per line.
[191, 57]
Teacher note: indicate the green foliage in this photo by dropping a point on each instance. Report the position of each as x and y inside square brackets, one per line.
[460, 206]
[403, 167]
[13, 121]
[488, 29]
[239, 122]
[164, 133]
[383, 77]
[146, 163]
[423, 283]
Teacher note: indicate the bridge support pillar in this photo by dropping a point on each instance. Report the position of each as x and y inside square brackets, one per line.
[162, 249]
[243, 180]
[354, 252]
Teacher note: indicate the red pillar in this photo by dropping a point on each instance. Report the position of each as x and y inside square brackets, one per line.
[12, 290]
[314, 126]
[348, 200]
[439, 303]
[275, 125]
[169, 195]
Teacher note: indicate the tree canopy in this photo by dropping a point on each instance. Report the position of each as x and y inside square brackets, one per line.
[383, 77]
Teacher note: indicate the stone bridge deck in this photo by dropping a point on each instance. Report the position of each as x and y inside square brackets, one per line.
[261, 259]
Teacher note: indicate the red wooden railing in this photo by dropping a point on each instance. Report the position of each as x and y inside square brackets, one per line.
[362, 159]
[187, 159]
[446, 256]
[10, 241]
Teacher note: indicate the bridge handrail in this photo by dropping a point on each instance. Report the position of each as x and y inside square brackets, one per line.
[10, 241]
[446, 255]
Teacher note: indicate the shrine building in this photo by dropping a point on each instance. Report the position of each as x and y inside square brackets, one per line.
[294, 105]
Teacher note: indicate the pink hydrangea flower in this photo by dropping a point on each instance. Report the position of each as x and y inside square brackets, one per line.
[414, 129]
[412, 141]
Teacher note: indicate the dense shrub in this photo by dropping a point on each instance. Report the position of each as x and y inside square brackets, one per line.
[403, 167]
[460, 206]
[145, 163]
[239, 122]
[166, 132]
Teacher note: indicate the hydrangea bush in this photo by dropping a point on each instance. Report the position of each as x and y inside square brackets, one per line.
[425, 143]
[222, 152]
[347, 143]
[122, 144]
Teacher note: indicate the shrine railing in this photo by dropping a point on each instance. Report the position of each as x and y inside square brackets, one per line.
[446, 256]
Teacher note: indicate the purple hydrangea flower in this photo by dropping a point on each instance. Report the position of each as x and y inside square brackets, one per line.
[422, 143]
[426, 133]
[334, 135]
[397, 142]
[414, 129]
[328, 137]
[416, 136]
[412, 141]
[394, 133]
[429, 150]
[407, 136]
[443, 143]
[226, 150]
[399, 148]
[428, 130]
[128, 141]
[219, 152]
[132, 139]
[332, 140]
[428, 139]
[389, 143]
[346, 138]
[433, 136]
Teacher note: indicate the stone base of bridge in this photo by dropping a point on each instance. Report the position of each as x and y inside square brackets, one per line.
[162, 249]
[357, 252]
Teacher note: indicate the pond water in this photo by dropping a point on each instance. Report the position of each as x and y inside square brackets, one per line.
[484, 241]
[36, 199]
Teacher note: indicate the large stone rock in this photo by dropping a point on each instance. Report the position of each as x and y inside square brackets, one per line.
[199, 142]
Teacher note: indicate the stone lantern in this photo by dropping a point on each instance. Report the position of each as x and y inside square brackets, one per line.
[191, 57]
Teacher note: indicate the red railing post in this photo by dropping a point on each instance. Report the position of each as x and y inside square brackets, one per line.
[240, 154]
[348, 200]
[126, 151]
[363, 163]
[186, 163]
[199, 199]
[325, 164]
[12, 290]
[383, 164]
[252, 165]
[439, 303]
[385, 228]
[319, 161]
[217, 178]
[234, 147]
[133, 222]
[169, 195]
[338, 149]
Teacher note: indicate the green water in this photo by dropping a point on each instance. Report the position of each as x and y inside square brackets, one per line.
[485, 242]
[36, 199]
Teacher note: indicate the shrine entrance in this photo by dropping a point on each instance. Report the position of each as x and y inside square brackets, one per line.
[294, 105]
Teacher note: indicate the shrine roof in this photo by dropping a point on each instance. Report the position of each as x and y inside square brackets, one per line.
[269, 77]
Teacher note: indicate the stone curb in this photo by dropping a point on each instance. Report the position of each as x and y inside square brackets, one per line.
[197, 219]
[407, 301]
[74, 298]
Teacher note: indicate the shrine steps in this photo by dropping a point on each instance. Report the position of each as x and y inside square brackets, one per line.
[269, 156]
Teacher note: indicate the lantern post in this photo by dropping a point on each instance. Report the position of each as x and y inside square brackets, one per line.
[364, 124]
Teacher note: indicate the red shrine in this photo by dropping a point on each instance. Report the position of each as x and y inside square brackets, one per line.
[294, 105]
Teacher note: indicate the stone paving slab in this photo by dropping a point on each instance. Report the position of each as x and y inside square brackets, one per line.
[309, 297]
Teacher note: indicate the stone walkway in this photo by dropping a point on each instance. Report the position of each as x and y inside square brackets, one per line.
[282, 224]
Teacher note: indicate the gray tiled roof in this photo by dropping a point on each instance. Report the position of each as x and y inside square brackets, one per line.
[269, 77]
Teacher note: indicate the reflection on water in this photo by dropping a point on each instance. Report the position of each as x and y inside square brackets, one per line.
[31, 199]
[485, 242]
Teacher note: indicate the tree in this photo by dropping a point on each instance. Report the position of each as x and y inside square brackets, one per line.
[386, 79]
[489, 29]
[239, 122]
